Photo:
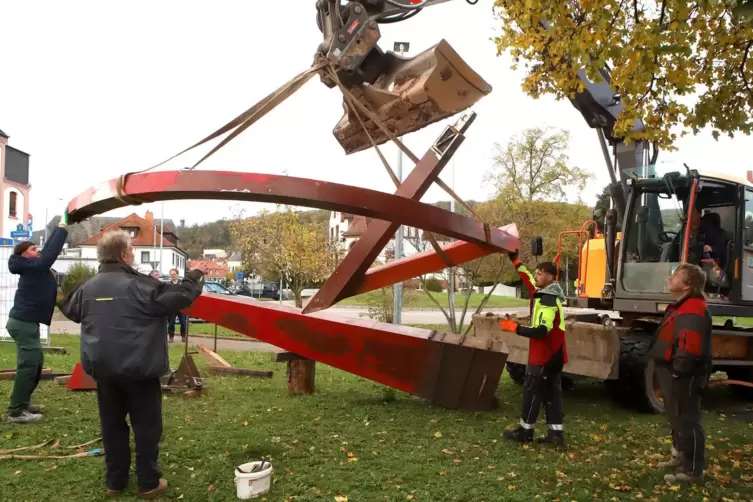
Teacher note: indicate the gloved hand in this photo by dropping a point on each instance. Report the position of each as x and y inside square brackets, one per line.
[195, 275]
[64, 219]
[513, 255]
[507, 324]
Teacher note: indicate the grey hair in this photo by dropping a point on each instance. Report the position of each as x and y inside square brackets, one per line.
[112, 245]
[694, 278]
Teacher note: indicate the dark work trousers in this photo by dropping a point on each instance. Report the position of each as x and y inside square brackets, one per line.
[542, 385]
[171, 325]
[142, 402]
[683, 405]
[664, 376]
[29, 363]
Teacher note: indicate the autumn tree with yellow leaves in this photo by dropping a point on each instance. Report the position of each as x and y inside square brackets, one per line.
[280, 244]
[678, 65]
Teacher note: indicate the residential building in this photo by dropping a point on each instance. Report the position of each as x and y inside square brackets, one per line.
[214, 271]
[14, 189]
[215, 254]
[235, 261]
[79, 232]
[346, 229]
[148, 244]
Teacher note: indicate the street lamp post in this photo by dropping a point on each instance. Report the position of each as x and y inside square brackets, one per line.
[397, 308]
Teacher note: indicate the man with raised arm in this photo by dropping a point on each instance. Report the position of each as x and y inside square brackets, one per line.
[547, 353]
[32, 306]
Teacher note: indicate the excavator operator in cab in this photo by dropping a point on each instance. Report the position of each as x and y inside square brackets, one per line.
[547, 353]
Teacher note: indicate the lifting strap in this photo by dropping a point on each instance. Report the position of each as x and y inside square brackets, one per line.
[269, 103]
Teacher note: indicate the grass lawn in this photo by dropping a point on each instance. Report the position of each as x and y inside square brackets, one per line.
[356, 440]
[419, 299]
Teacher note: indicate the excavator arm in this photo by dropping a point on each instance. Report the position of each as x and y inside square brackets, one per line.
[408, 93]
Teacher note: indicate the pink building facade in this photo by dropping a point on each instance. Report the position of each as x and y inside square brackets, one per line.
[14, 188]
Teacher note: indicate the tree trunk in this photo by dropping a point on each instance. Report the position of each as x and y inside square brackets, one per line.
[301, 375]
[297, 296]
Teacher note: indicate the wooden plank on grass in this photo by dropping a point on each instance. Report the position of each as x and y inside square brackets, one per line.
[62, 380]
[219, 370]
[214, 358]
[11, 374]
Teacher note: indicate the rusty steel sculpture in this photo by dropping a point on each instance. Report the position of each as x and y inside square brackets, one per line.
[447, 369]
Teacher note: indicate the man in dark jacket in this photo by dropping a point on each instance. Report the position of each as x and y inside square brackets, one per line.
[124, 348]
[547, 354]
[682, 354]
[32, 306]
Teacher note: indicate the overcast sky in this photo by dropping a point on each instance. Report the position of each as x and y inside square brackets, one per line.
[95, 89]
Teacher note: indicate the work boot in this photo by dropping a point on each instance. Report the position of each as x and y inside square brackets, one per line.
[161, 487]
[672, 463]
[682, 477]
[520, 435]
[24, 417]
[113, 493]
[554, 438]
[36, 409]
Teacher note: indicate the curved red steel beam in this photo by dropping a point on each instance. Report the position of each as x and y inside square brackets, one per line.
[230, 185]
[450, 370]
[409, 267]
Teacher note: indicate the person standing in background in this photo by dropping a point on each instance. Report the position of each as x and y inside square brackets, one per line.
[182, 318]
[681, 351]
[33, 305]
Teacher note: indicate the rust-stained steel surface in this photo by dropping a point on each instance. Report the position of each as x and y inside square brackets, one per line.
[410, 94]
[230, 185]
[423, 263]
[449, 370]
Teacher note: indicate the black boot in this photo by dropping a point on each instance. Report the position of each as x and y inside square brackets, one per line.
[520, 435]
[555, 438]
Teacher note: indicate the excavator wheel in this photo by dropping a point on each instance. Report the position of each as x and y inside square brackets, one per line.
[517, 374]
[636, 385]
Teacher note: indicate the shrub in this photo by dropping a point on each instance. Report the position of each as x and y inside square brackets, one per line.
[434, 285]
[77, 275]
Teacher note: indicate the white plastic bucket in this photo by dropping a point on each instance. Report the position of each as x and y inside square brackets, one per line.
[249, 485]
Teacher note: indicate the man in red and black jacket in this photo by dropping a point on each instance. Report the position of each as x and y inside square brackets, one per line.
[681, 352]
[547, 353]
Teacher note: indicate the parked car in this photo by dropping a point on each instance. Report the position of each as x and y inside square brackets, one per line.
[269, 290]
[213, 287]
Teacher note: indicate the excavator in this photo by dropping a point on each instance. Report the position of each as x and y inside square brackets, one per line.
[661, 214]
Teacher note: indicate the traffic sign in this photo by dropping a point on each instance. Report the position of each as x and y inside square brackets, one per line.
[239, 276]
[19, 233]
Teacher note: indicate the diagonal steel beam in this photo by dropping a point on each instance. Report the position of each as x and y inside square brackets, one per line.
[458, 252]
[348, 276]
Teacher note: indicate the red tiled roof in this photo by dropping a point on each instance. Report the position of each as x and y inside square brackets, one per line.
[209, 267]
[357, 227]
[145, 234]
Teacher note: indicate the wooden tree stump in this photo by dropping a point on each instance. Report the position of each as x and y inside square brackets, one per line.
[301, 376]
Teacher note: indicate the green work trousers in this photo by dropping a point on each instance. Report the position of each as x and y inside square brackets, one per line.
[29, 362]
